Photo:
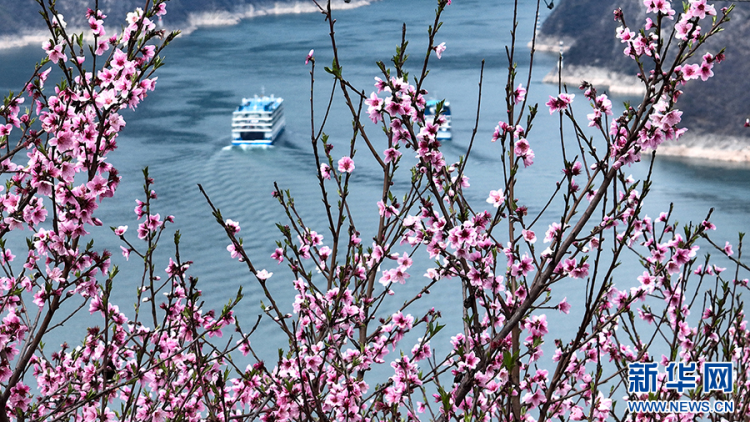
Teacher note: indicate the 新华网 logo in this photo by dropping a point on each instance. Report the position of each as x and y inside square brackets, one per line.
[680, 377]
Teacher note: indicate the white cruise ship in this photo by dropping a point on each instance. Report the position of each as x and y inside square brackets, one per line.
[258, 121]
[444, 133]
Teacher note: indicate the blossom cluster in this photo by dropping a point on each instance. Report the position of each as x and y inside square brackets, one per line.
[494, 362]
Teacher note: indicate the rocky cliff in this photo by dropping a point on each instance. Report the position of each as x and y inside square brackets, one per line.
[717, 108]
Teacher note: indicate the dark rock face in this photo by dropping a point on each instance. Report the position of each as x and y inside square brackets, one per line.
[718, 106]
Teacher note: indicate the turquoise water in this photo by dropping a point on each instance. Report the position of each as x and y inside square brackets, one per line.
[182, 132]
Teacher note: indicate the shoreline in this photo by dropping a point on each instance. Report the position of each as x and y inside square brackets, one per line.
[225, 18]
[194, 21]
[8, 42]
[711, 154]
[550, 44]
[713, 148]
[616, 83]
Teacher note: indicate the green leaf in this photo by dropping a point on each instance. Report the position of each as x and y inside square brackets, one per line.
[507, 360]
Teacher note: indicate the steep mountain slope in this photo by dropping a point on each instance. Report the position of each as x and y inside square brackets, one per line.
[718, 107]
